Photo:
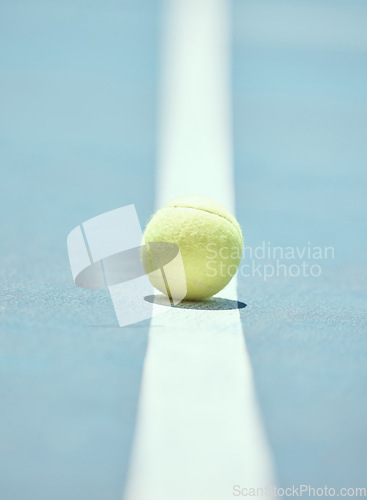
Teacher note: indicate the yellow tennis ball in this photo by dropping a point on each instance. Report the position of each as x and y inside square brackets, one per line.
[210, 242]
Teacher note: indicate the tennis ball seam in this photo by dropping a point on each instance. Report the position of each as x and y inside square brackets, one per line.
[213, 213]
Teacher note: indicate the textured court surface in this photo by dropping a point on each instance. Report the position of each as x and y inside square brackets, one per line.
[300, 154]
[78, 137]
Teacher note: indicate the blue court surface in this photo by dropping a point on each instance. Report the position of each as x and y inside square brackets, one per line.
[78, 135]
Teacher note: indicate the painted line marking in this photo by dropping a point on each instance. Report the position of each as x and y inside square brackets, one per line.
[199, 430]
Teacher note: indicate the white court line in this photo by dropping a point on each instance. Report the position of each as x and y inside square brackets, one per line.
[199, 431]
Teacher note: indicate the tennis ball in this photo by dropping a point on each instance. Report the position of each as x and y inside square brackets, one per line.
[210, 242]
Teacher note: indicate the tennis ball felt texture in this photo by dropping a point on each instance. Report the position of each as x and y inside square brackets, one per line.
[210, 242]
